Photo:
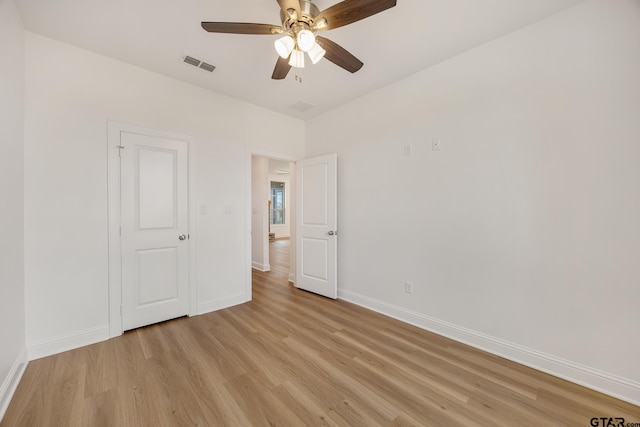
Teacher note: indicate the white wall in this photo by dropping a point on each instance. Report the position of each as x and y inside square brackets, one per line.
[70, 96]
[522, 234]
[282, 230]
[260, 213]
[12, 317]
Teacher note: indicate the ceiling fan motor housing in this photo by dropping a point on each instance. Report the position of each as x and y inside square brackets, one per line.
[293, 23]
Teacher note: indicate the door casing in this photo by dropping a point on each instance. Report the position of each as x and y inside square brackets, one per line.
[114, 130]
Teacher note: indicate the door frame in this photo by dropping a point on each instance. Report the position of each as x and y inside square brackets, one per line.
[114, 221]
[251, 152]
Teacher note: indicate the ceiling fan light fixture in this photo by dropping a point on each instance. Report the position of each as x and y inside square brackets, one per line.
[316, 53]
[284, 46]
[297, 59]
[306, 40]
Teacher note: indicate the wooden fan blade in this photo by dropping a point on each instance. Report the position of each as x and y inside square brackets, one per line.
[285, 5]
[240, 28]
[339, 55]
[350, 11]
[282, 68]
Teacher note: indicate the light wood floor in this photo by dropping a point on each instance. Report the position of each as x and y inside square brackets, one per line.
[291, 358]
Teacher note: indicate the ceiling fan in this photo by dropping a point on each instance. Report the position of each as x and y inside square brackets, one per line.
[301, 20]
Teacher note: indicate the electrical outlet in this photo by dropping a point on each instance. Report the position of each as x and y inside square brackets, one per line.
[435, 145]
[408, 287]
[408, 150]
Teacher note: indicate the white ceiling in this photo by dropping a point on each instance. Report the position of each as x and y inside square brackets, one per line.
[156, 34]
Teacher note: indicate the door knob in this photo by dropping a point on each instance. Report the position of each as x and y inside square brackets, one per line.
[332, 233]
[182, 237]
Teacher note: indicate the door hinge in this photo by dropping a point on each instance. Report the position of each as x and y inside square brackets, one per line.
[120, 231]
[119, 147]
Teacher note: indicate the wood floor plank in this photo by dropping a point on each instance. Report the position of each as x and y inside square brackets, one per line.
[31, 404]
[339, 388]
[69, 374]
[105, 367]
[304, 407]
[260, 405]
[101, 410]
[293, 358]
[412, 365]
[426, 404]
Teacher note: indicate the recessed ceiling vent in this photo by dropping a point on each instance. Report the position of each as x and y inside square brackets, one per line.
[198, 63]
[302, 106]
[207, 67]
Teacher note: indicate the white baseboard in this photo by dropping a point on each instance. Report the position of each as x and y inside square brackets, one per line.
[292, 278]
[218, 304]
[68, 342]
[12, 380]
[261, 267]
[595, 379]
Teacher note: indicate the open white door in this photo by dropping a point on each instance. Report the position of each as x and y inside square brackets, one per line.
[316, 225]
[154, 230]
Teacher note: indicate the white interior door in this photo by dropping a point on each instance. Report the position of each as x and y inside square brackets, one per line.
[316, 225]
[154, 233]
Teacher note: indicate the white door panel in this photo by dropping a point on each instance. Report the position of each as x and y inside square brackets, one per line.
[157, 275]
[314, 202]
[154, 216]
[157, 188]
[316, 242]
[315, 254]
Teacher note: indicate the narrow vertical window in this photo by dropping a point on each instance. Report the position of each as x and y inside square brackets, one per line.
[277, 214]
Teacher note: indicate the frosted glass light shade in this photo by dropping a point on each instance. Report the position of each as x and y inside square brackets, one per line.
[284, 46]
[297, 59]
[306, 40]
[316, 53]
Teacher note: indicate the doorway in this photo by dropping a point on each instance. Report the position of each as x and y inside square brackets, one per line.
[313, 222]
[272, 214]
